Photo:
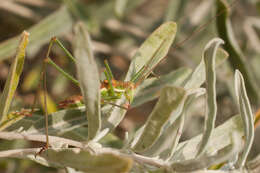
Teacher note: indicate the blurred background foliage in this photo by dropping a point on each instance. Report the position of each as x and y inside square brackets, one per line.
[117, 28]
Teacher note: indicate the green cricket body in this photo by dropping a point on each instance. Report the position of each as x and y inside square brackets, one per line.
[119, 88]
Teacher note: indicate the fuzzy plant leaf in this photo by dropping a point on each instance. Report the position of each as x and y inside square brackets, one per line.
[198, 77]
[59, 122]
[220, 138]
[83, 160]
[210, 53]
[203, 162]
[151, 52]
[80, 159]
[88, 76]
[169, 101]
[246, 115]
[151, 88]
[237, 58]
[55, 24]
[13, 78]
[167, 143]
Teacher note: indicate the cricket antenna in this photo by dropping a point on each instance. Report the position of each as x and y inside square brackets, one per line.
[202, 27]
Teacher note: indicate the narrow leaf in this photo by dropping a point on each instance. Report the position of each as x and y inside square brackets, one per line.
[246, 115]
[204, 162]
[88, 76]
[167, 143]
[198, 77]
[60, 122]
[170, 99]
[151, 52]
[237, 58]
[220, 138]
[210, 52]
[13, 77]
[82, 160]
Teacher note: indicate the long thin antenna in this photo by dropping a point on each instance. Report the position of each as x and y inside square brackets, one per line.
[201, 27]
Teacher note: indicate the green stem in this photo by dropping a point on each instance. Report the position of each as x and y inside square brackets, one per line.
[68, 76]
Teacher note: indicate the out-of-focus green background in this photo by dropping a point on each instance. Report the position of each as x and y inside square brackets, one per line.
[117, 29]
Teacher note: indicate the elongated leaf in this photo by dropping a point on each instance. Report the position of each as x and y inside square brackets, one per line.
[198, 77]
[82, 160]
[246, 114]
[210, 52]
[150, 88]
[88, 76]
[85, 161]
[59, 122]
[170, 99]
[56, 24]
[167, 143]
[220, 138]
[13, 77]
[206, 161]
[151, 52]
[237, 58]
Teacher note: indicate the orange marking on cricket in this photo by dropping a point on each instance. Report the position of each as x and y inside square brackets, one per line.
[70, 101]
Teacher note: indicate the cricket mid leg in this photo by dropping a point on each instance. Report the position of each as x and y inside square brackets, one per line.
[48, 60]
[43, 83]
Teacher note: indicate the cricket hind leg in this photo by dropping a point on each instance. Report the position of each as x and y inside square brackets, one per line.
[43, 82]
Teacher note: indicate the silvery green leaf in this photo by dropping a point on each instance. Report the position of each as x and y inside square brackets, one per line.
[169, 101]
[198, 77]
[246, 115]
[80, 159]
[203, 162]
[60, 122]
[210, 52]
[166, 144]
[220, 138]
[88, 76]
